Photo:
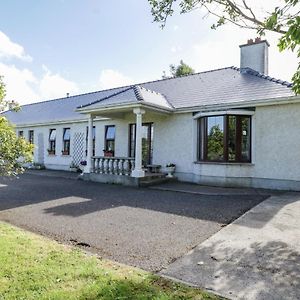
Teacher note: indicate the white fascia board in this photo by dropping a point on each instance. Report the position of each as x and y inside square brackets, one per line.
[242, 112]
[244, 104]
[85, 120]
[114, 107]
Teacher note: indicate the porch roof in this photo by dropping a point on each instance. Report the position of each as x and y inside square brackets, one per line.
[131, 97]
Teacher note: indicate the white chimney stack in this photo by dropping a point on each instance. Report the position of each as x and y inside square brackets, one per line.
[255, 55]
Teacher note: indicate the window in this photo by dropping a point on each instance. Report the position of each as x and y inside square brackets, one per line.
[52, 141]
[31, 136]
[86, 140]
[109, 144]
[225, 138]
[21, 133]
[147, 142]
[66, 141]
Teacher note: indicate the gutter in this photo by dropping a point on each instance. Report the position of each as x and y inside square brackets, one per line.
[244, 104]
[84, 120]
[113, 107]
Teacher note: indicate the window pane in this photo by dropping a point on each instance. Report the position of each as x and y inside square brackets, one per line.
[201, 137]
[246, 145]
[110, 132]
[31, 136]
[66, 134]
[110, 145]
[215, 138]
[132, 140]
[231, 138]
[94, 132]
[52, 135]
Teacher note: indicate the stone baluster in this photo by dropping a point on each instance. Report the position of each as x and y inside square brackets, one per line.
[132, 165]
[101, 166]
[97, 165]
[116, 166]
[121, 167]
[127, 167]
[110, 165]
[106, 163]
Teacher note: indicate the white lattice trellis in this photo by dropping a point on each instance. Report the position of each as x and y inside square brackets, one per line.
[78, 147]
[40, 148]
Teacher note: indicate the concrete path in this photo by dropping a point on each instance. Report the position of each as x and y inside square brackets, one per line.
[255, 257]
[197, 189]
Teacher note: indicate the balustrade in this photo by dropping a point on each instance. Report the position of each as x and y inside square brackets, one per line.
[112, 165]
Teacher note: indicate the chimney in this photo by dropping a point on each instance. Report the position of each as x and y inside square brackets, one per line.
[68, 95]
[255, 55]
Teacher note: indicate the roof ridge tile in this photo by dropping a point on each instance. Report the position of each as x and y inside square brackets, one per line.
[250, 71]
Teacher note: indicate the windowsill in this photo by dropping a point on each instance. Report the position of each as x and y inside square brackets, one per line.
[65, 155]
[247, 164]
[51, 154]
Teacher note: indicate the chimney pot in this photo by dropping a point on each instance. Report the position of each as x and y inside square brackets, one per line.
[250, 41]
[257, 40]
[68, 94]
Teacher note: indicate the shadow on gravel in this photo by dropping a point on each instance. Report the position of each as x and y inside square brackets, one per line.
[32, 189]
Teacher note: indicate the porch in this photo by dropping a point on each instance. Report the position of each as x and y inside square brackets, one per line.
[118, 170]
[113, 166]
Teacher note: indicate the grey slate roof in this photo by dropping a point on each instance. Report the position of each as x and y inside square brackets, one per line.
[221, 86]
[131, 95]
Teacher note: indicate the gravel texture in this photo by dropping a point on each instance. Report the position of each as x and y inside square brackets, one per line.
[140, 227]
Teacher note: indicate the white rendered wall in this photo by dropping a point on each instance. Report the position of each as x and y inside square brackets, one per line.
[275, 147]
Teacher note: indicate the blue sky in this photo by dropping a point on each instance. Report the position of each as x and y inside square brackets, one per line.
[49, 48]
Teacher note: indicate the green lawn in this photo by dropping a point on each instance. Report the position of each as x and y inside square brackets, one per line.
[33, 267]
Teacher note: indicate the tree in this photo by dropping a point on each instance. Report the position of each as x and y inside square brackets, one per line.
[283, 19]
[215, 143]
[14, 151]
[181, 70]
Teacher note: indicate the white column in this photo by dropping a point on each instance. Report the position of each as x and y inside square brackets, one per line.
[138, 171]
[88, 167]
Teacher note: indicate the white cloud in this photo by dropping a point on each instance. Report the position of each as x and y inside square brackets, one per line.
[9, 49]
[175, 49]
[24, 87]
[19, 84]
[54, 85]
[111, 78]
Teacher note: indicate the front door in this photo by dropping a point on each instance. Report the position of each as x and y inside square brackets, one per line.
[147, 142]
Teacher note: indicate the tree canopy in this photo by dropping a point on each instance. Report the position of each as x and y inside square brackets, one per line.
[181, 70]
[283, 19]
[14, 151]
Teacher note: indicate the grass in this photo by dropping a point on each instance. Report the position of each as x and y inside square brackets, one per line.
[33, 267]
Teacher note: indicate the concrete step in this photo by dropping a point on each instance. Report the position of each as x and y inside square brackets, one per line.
[150, 181]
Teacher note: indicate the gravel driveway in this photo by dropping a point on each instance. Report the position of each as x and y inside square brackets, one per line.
[141, 227]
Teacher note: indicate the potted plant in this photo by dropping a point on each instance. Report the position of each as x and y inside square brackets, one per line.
[108, 153]
[51, 152]
[82, 165]
[73, 167]
[64, 152]
[37, 166]
[170, 168]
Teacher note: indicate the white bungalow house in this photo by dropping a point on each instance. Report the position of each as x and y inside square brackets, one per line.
[230, 126]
